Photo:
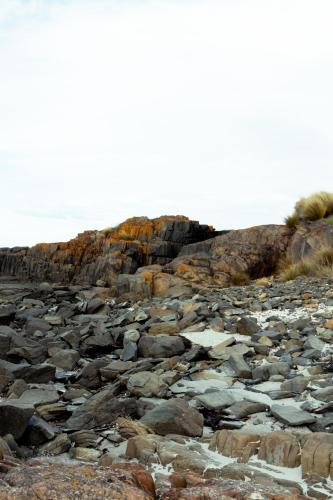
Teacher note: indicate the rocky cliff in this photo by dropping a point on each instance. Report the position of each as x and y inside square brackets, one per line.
[103, 255]
[152, 257]
[165, 255]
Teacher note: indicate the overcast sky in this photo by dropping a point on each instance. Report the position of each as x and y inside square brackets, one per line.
[218, 110]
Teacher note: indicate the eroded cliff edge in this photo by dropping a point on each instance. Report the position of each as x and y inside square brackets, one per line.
[103, 255]
[164, 256]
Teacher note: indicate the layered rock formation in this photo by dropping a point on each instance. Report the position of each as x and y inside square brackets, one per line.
[95, 255]
[168, 252]
[164, 256]
[255, 251]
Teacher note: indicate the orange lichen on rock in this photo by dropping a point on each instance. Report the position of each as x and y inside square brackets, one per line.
[103, 255]
[68, 482]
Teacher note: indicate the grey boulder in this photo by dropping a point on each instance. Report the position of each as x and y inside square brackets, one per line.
[161, 346]
[292, 416]
[174, 417]
[14, 417]
[102, 408]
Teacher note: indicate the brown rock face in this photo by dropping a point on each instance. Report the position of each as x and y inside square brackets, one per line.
[69, 482]
[280, 448]
[310, 237]
[235, 443]
[160, 257]
[255, 251]
[317, 455]
[95, 255]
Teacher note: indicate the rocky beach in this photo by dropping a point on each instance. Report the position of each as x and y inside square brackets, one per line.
[132, 365]
[166, 250]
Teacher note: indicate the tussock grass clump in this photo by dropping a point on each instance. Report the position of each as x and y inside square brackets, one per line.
[324, 257]
[301, 268]
[311, 208]
[291, 220]
[318, 264]
[239, 278]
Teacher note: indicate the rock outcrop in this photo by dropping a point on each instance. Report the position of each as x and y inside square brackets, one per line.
[159, 257]
[310, 237]
[255, 251]
[103, 255]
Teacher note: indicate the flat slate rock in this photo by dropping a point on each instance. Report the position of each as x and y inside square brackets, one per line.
[242, 409]
[292, 416]
[215, 400]
[37, 397]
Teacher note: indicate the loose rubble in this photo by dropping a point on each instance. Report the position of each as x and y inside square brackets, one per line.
[184, 397]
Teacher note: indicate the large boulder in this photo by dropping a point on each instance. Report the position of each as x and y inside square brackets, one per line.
[147, 384]
[102, 408]
[14, 417]
[174, 417]
[255, 251]
[161, 346]
[317, 455]
[40, 374]
[280, 448]
[238, 444]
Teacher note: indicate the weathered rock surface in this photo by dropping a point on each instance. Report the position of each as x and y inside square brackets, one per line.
[103, 255]
[317, 455]
[14, 417]
[280, 448]
[69, 482]
[147, 384]
[255, 251]
[167, 254]
[174, 417]
[235, 443]
[161, 346]
[291, 415]
[189, 487]
[254, 365]
[310, 237]
[103, 408]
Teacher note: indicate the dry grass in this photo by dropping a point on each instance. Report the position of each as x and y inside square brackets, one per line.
[311, 208]
[315, 207]
[318, 264]
[239, 278]
[324, 257]
[327, 199]
[291, 220]
[301, 268]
